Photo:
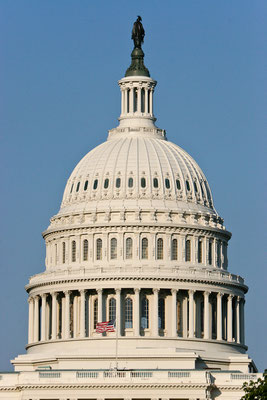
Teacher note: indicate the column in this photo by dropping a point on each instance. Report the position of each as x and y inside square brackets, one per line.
[219, 316]
[174, 312]
[54, 316]
[229, 318]
[118, 311]
[155, 321]
[43, 318]
[82, 313]
[242, 321]
[36, 319]
[100, 305]
[185, 314]
[139, 100]
[146, 100]
[136, 312]
[122, 100]
[238, 319]
[131, 100]
[151, 101]
[206, 315]
[66, 327]
[191, 313]
[31, 316]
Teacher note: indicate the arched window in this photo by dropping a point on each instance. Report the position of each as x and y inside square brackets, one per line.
[71, 188]
[85, 185]
[118, 183]
[187, 185]
[113, 249]
[73, 251]
[200, 251]
[112, 309]
[210, 253]
[195, 186]
[85, 250]
[188, 250]
[161, 313]
[145, 313]
[96, 313]
[99, 249]
[95, 184]
[219, 254]
[128, 313]
[160, 249]
[174, 249]
[178, 184]
[155, 183]
[143, 182]
[78, 187]
[167, 183]
[144, 248]
[130, 182]
[129, 248]
[106, 183]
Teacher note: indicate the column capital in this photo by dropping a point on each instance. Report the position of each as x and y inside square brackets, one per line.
[99, 291]
[117, 291]
[43, 295]
[82, 292]
[220, 294]
[67, 292]
[191, 292]
[54, 294]
[137, 290]
[207, 293]
[30, 299]
[156, 290]
[36, 297]
[174, 291]
[230, 296]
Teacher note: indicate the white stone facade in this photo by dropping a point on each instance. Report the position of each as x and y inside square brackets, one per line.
[137, 239]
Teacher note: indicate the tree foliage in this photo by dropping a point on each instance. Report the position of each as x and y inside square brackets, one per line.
[255, 390]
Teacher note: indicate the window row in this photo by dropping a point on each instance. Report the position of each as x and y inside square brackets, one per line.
[160, 250]
[143, 184]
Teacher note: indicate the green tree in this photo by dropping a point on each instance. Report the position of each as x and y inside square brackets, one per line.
[256, 390]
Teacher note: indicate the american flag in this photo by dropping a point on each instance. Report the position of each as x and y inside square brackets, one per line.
[107, 326]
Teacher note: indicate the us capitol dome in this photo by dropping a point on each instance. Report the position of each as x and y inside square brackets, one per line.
[137, 243]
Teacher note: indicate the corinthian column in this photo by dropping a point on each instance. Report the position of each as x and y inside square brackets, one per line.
[155, 322]
[82, 313]
[136, 312]
[219, 316]
[31, 317]
[118, 311]
[66, 328]
[230, 318]
[174, 312]
[36, 319]
[191, 313]
[238, 320]
[206, 315]
[54, 316]
[43, 318]
[100, 305]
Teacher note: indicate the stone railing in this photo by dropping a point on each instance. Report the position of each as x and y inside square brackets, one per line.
[159, 376]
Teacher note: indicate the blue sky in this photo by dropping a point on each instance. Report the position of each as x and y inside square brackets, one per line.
[59, 66]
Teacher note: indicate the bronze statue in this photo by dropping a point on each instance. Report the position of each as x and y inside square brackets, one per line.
[138, 33]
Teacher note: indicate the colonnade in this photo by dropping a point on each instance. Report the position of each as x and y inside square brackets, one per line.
[149, 312]
[137, 98]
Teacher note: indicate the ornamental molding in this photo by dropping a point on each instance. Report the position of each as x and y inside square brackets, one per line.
[112, 279]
